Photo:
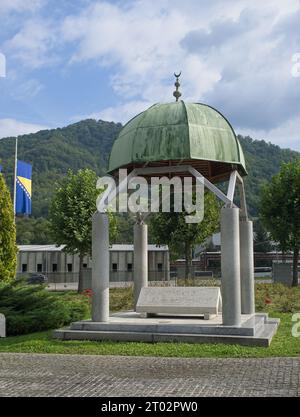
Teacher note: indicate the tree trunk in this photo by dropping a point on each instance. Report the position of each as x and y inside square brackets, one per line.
[80, 278]
[295, 267]
[187, 262]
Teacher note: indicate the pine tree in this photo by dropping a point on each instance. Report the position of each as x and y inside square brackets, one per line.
[8, 247]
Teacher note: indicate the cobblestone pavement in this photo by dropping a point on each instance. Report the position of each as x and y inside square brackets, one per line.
[81, 375]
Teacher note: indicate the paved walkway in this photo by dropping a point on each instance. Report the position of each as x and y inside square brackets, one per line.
[78, 375]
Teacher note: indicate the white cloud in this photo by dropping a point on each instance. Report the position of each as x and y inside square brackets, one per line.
[34, 44]
[12, 127]
[119, 113]
[286, 136]
[27, 89]
[8, 6]
[234, 55]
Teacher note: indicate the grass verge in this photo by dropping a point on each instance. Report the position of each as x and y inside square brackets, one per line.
[277, 300]
[283, 344]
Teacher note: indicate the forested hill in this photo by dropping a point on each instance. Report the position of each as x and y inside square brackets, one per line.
[88, 144]
[85, 144]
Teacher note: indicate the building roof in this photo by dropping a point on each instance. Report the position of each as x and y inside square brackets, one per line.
[113, 248]
[179, 131]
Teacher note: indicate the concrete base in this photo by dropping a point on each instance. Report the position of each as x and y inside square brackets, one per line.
[255, 330]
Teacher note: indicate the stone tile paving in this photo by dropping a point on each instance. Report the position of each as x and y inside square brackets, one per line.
[99, 376]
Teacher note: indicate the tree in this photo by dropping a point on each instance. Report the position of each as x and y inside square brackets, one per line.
[171, 229]
[280, 210]
[8, 247]
[72, 208]
[262, 241]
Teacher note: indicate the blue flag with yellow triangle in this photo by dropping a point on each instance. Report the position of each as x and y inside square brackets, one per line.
[23, 188]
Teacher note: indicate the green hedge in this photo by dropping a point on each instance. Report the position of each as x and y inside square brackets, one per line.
[31, 308]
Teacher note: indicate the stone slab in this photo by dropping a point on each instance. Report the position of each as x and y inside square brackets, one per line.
[264, 339]
[132, 322]
[180, 300]
[256, 330]
[2, 326]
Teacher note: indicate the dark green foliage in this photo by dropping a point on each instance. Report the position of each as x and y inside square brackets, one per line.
[31, 308]
[172, 229]
[31, 231]
[8, 248]
[87, 144]
[262, 241]
[72, 208]
[263, 160]
[280, 210]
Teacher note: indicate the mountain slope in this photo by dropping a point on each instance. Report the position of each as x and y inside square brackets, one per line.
[88, 144]
[84, 144]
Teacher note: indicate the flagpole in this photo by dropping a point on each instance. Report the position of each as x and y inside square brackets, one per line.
[15, 177]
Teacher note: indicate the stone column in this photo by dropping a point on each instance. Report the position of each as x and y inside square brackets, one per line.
[140, 259]
[100, 271]
[247, 267]
[230, 266]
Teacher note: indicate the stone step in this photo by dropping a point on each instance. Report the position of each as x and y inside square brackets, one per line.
[269, 329]
[262, 339]
[249, 328]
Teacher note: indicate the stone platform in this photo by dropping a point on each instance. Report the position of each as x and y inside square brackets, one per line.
[255, 330]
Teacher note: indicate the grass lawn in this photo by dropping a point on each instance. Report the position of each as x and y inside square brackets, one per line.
[276, 300]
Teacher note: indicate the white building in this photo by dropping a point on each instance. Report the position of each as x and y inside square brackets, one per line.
[59, 266]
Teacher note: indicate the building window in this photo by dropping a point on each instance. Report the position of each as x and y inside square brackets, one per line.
[129, 267]
[39, 267]
[84, 265]
[70, 267]
[24, 267]
[114, 267]
[54, 267]
[159, 267]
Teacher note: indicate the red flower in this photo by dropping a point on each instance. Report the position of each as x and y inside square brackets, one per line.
[268, 300]
[87, 292]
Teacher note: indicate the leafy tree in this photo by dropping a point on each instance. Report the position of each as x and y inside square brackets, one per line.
[280, 210]
[8, 247]
[72, 208]
[171, 229]
[262, 241]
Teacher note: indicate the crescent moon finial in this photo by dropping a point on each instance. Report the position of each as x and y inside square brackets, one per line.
[177, 93]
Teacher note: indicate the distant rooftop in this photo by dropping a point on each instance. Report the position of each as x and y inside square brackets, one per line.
[114, 248]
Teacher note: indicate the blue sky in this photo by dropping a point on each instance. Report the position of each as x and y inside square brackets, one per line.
[69, 60]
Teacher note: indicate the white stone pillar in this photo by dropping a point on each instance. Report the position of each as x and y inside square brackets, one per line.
[247, 267]
[230, 266]
[140, 259]
[100, 271]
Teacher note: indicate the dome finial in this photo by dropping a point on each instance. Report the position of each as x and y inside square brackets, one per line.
[177, 93]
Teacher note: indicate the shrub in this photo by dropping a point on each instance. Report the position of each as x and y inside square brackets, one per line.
[8, 247]
[31, 308]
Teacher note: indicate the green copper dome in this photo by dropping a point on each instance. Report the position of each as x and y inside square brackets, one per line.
[179, 133]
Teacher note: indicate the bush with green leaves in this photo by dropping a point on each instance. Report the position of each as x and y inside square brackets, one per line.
[31, 308]
[8, 247]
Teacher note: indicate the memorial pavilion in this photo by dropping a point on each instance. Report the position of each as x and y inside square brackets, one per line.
[181, 139]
